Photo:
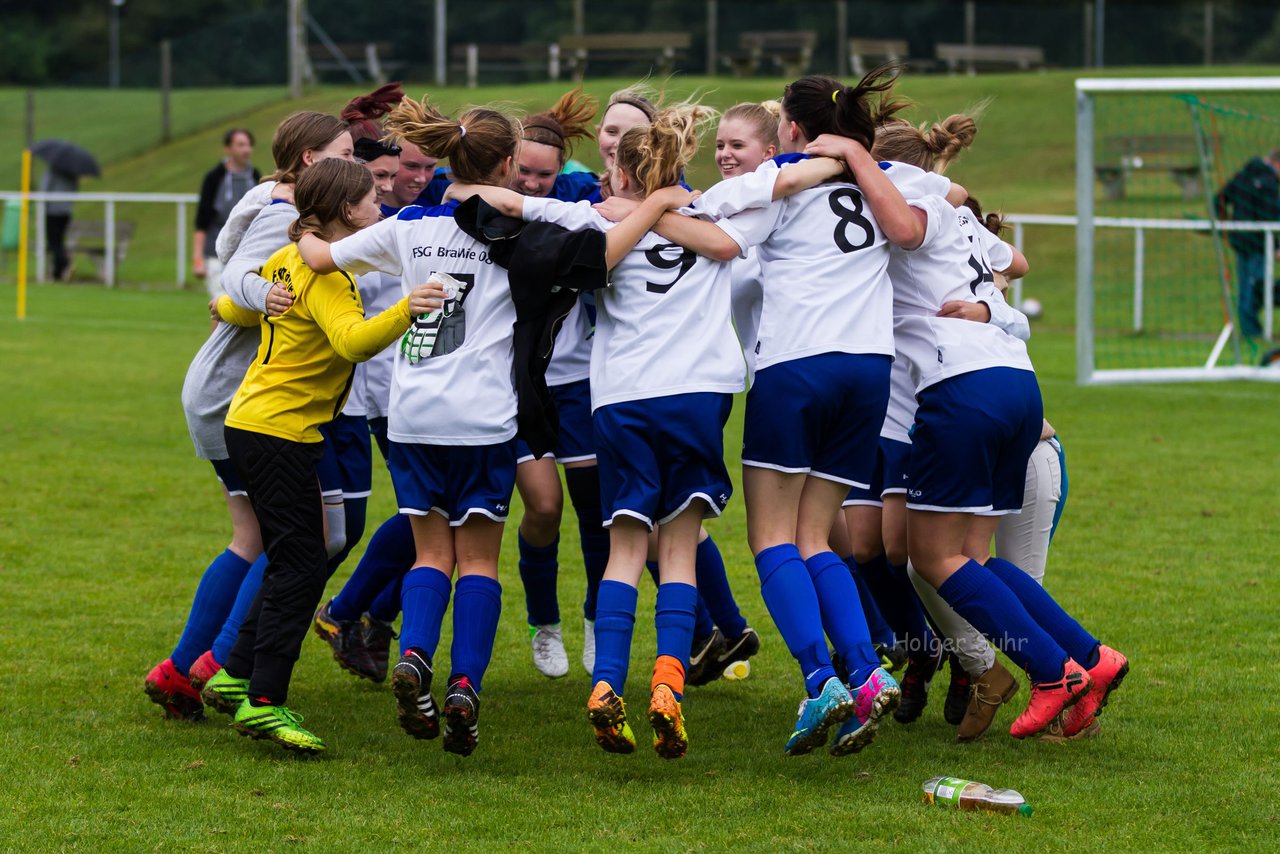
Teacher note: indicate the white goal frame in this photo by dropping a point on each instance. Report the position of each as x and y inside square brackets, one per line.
[1088, 90]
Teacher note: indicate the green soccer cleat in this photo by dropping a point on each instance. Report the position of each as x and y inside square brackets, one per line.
[225, 693]
[278, 723]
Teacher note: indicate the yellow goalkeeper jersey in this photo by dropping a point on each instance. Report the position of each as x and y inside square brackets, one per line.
[303, 371]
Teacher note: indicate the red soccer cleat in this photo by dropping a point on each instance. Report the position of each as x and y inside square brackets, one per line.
[1106, 676]
[1048, 699]
[202, 670]
[172, 691]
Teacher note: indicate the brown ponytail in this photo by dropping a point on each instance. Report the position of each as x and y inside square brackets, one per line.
[820, 104]
[476, 143]
[655, 156]
[562, 125]
[992, 222]
[323, 194]
[298, 134]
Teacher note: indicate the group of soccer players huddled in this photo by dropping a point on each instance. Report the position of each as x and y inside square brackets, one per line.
[487, 323]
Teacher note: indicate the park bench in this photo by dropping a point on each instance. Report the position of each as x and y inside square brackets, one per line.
[360, 61]
[659, 49]
[790, 52]
[88, 237]
[989, 57]
[521, 58]
[866, 54]
[1122, 156]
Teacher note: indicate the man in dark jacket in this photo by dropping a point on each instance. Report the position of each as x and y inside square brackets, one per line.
[222, 188]
[1253, 195]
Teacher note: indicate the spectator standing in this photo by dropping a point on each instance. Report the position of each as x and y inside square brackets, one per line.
[57, 218]
[222, 187]
[1252, 195]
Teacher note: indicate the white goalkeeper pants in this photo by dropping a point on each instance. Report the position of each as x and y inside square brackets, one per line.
[1022, 539]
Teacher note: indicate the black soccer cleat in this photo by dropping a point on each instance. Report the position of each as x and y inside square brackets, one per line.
[953, 710]
[346, 639]
[411, 683]
[377, 641]
[461, 717]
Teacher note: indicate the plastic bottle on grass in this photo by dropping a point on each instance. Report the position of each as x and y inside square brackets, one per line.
[969, 795]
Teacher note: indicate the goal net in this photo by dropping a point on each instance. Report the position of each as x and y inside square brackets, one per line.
[1178, 197]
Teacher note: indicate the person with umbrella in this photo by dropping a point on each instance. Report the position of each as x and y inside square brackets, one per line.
[65, 163]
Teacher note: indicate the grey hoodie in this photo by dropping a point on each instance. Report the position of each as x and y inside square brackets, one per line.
[218, 368]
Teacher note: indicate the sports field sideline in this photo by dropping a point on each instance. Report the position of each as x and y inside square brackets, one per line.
[1167, 547]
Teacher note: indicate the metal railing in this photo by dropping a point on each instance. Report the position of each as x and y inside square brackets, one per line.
[109, 202]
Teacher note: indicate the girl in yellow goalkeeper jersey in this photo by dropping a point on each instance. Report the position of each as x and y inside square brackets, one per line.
[299, 381]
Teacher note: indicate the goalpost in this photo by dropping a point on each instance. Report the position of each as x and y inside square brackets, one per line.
[1178, 229]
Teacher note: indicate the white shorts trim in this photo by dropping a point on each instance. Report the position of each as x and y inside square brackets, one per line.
[895, 490]
[364, 494]
[476, 511]
[330, 493]
[862, 502]
[835, 479]
[633, 514]
[998, 512]
[715, 511]
[530, 458]
[239, 493]
[783, 469]
[933, 508]
[582, 459]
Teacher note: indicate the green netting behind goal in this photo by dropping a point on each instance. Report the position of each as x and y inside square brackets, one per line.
[1184, 197]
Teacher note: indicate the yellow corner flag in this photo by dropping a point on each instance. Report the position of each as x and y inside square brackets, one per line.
[23, 217]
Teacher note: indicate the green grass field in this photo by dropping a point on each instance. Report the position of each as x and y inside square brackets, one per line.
[1166, 550]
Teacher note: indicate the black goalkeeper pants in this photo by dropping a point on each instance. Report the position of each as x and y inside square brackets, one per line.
[280, 477]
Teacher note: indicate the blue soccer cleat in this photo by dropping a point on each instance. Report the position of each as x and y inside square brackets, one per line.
[876, 697]
[817, 716]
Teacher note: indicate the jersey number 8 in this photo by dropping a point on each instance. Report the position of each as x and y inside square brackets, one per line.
[850, 214]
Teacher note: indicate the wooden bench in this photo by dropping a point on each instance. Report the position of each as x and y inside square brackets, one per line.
[660, 49]
[866, 54]
[88, 237]
[521, 58]
[788, 51]
[1122, 156]
[363, 62]
[990, 57]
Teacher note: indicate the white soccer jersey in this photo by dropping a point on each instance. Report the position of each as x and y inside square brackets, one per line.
[824, 262]
[947, 266]
[378, 291]
[571, 357]
[748, 300]
[462, 393]
[663, 326]
[901, 413]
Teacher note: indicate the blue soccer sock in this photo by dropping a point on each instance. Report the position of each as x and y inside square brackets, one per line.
[915, 626]
[876, 624]
[215, 596]
[615, 623]
[354, 510]
[226, 639]
[425, 596]
[387, 606]
[1044, 609]
[673, 619]
[539, 566]
[976, 594]
[793, 604]
[583, 486]
[874, 573]
[842, 615]
[713, 588]
[391, 553]
[477, 604]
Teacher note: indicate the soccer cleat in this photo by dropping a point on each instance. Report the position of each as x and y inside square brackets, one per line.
[224, 692]
[346, 639]
[1056, 731]
[278, 723]
[992, 689]
[874, 699]
[892, 658]
[411, 683]
[172, 691]
[1106, 677]
[733, 654]
[377, 640]
[915, 685]
[817, 715]
[589, 645]
[953, 709]
[702, 655]
[202, 670]
[608, 714]
[670, 741]
[461, 717]
[1050, 698]
[548, 651]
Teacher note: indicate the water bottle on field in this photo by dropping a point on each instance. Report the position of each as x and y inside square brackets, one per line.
[969, 795]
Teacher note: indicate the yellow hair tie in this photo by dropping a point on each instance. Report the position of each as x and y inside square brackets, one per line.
[834, 95]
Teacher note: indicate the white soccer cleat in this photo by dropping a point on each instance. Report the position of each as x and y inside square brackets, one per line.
[548, 651]
[589, 646]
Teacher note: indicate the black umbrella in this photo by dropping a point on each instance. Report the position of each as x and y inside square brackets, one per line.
[66, 157]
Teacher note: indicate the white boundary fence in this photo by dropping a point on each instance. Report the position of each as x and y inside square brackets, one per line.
[109, 202]
[1086, 371]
